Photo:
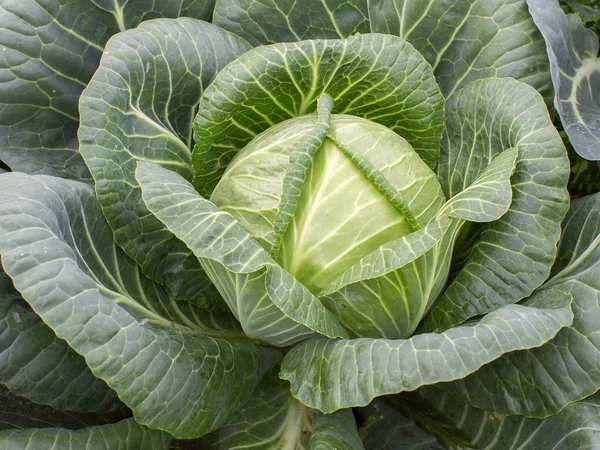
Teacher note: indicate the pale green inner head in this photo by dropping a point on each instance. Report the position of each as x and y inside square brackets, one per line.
[341, 216]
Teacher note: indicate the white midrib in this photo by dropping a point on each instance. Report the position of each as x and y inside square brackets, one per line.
[294, 420]
[119, 16]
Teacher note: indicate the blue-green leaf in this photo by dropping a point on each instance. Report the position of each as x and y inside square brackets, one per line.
[330, 374]
[575, 69]
[175, 366]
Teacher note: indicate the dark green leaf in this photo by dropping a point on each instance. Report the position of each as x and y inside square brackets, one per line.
[35, 364]
[469, 40]
[270, 21]
[49, 50]
[177, 370]
[140, 105]
[575, 427]
[511, 256]
[377, 77]
[572, 51]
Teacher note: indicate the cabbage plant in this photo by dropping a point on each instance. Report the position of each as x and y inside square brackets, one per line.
[280, 225]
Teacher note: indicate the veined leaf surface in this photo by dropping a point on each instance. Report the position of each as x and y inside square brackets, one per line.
[575, 68]
[36, 364]
[271, 21]
[49, 50]
[469, 40]
[177, 367]
[330, 374]
[504, 261]
[140, 105]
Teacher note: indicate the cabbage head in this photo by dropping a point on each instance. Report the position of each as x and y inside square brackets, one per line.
[281, 224]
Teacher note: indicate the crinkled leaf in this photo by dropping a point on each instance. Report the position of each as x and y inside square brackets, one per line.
[216, 236]
[577, 426]
[376, 77]
[541, 381]
[511, 256]
[168, 363]
[49, 50]
[575, 69]
[271, 21]
[140, 105]
[34, 363]
[468, 40]
[331, 374]
[489, 197]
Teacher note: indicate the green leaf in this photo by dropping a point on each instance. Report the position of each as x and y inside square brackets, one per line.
[271, 21]
[268, 301]
[26, 425]
[489, 197]
[386, 429]
[387, 292]
[301, 161]
[139, 106]
[49, 50]
[509, 257]
[575, 69]
[34, 363]
[576, 427]
[331, 374]
[125, 435]
[468, 40]
[177, 370]
[273, 420]
[335, 431]
[540, 382]
[376, 77]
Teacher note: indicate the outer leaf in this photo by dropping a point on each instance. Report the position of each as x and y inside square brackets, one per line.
[335, 431]
[49, 51]
[377, 77]
[26, 425]
[125, 435]
[271, 21]
[468, 40]
[385, 428]
[362, 369]
[540, 382]
[273, 420]
[17, 412]
[250, 281]
[172, 370]
[512, 255]
[575, 69]
[35, 364]
[139, 106]
[575, 427]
